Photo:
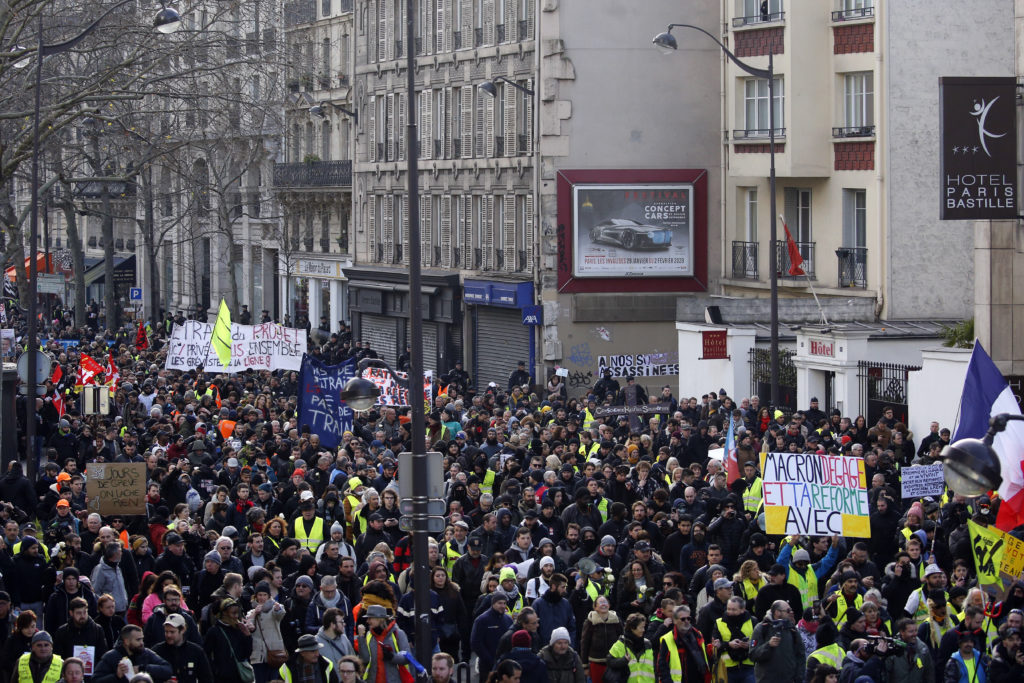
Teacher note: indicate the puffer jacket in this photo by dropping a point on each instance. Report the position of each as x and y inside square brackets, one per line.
[599, 634]
[266, 630]
[567, 668]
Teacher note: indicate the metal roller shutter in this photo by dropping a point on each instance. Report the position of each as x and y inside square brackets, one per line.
[430, 334]
[382, 333]
[500, 340]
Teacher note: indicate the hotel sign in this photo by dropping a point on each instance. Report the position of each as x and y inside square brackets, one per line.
[978, 124]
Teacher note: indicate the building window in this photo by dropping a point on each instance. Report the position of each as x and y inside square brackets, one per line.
[859, 99]
[755, 101]
[325, 8]
[857, 4]
[750, 214]
[855, 218]
[798, 213]
[761, 10]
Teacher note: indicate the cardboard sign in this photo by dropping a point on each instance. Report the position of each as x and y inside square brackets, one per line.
[922, 480]
[117, 488]
[267, 346]
[815, 495]
[391, 393]
[320, 404]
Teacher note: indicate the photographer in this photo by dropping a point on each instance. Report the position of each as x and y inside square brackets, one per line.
[913, 663]
[863, 664]
[776, 647]
[1008, 659]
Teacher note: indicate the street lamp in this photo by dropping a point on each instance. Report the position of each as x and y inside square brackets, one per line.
[167, 21]
[491, 87]
[321, 110]
[667, 43]
[971, 466]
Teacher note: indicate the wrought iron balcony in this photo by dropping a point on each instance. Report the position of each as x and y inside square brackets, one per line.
[744, 260]
[299, 12]
[853, 132]
[757, 133]
[854, 13]
[762, 18]
[314, 174]
[806, 250]
[853, 266]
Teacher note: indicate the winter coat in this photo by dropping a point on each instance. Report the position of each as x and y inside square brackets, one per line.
[782, 664]
[553, 614]
[534, 668]
[370, 649]
[487, 631]
[225, 645]
[56, 613]
[599, 634]
[146, 661]
[567, 668]
[266, 630]
[67, 636]
[107, 578]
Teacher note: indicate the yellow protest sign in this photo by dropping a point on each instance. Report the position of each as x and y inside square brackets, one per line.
[1013, 557]
[987, 548]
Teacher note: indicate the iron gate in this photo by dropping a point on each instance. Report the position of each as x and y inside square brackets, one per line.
[760, 378]
[881, 385]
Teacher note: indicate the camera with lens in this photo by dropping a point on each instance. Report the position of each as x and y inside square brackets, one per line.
[777, 627]
[896, 646]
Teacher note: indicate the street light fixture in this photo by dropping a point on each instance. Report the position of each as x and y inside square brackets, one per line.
[971, 466]
[491, 87]
[667, 43]
[167, 21]
[321, 110]
[360, 394]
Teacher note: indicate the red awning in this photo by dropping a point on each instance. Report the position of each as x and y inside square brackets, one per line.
[41, 266]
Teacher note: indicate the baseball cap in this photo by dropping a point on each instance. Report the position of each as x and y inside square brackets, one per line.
[175, 620]
[722, 583]
[475, 542]
[63, 503]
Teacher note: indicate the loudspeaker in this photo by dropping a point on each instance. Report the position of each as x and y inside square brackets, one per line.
[713, 315]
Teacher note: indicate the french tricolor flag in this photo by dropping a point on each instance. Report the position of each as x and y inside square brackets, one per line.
[985, 394]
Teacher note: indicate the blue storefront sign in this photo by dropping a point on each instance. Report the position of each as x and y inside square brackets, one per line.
[533, 315]
[505, 294]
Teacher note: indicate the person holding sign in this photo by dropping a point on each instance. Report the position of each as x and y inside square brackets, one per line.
[801, 573]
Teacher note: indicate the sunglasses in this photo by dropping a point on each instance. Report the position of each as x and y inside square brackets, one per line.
[683, 619]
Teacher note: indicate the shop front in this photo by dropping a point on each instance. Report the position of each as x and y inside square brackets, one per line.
[315, 288]
[379, 303]
[503, 318]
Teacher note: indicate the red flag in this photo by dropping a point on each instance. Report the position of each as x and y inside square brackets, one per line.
[58, 403]
[88, 368]
[57, 374]
[113, 374]
[796, 259]
[141, 341]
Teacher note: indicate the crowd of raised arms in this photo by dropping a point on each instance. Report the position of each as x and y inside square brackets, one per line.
[577, 548]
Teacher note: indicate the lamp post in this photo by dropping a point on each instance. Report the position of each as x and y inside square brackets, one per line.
[668, 44]
[321, 110]
[166, 21]
[491, 87]
[971, 466]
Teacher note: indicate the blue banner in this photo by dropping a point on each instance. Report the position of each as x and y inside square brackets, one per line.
[320, 404]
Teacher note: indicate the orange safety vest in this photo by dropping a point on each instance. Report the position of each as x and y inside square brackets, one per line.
[227, 428]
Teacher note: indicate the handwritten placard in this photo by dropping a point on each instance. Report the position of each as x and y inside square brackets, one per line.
[922, 480]
[267, 346]
[815, 495]
[117, 488]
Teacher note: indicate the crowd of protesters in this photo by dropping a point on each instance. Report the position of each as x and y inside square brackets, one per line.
[610, 550]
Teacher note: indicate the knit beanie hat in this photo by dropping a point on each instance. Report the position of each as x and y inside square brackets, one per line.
[521, 638]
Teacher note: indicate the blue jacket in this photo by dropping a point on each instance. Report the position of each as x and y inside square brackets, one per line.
[487, 631]
[552, 615]
[822, 567]
[534, 668]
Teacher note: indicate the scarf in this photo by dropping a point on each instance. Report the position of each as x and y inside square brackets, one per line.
[937, 629]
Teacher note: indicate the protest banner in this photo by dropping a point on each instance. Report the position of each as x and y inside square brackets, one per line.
[391, 394]
[657, 364]
[814, 494]
[922, 480]
[643, 409]
[117, 488]
[987, 548]
[267, 346]
[320, 404]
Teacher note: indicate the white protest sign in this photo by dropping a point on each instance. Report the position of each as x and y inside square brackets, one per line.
[87, 653]
[391, 394]
[922, 480]
[267, 346]
[815, 495]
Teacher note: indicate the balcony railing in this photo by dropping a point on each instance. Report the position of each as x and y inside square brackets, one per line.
[853, 266]
[437, 256]
[478, 37]
[757, 133]
[744, 260]
[762, 18]
[785, 264]
[854, 13]
[314, 174]
[522, 146]
[853, 132]
[499, 146]
[521, 260]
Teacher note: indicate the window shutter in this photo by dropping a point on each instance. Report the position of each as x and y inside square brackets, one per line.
[449, 30]
[467, 23]
[405, 230]
[488, 22]
[439, 26]
[446, 124]
[400, 133]
[478, 139]
[389, 22]
[510, 233]
[487, 248]
[530, 19]
[401, 28]
[371, 228]
[372, 128]
[446, 231]
[489, 127]
[467, 122]
[849, 218]
[426, 130]
[426, 252]
[388, 228]
[381, 29]
[467, 231]
[389, 129]
[511, 123]
[528, 104]
[426, 38]
[528, 238]
[511, 28]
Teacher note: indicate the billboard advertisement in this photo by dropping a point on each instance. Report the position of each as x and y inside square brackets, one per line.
[633, 230]
[978, 121]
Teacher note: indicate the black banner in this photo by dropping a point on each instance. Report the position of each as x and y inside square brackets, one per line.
[978, 123]
[646, 409]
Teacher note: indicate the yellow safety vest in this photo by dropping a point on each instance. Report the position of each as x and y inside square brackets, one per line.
[487, 485]
[747, 630]
[52, 674]
[588, 419]
[286, 673]
[366, 641]
[807, 585]
[640, 670]
[921, 613]
[842, 607]
[587, 452]
[312, 540]
[749, 590]
[602, 507]
[752, 496]
[832, 655]
[43, 551]
[675, 665]
[451, 556]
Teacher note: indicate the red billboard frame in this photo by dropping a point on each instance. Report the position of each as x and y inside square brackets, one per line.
[568, 283]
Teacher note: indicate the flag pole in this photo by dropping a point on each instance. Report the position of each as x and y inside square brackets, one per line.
[821, 311]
